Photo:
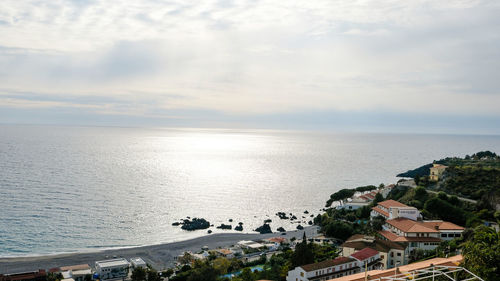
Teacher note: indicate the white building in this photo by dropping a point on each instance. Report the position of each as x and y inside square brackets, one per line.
[391, 209]
[341, 266]
[115, 268]
[138, 262]
[425, 235]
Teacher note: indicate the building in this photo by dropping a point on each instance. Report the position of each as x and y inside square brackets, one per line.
[76, 272]
[115, 268]
[391, 209]
[250, 244]
[432, 269]
[225, 253]
[341, 266]
[436, 171]
[40, 275]
[138, 262]
[391, 253]
[425, 235]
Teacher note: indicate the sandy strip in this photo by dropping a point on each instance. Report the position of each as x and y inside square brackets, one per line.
[159, 256]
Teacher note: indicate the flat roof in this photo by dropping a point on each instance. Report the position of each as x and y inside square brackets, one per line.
[112, 263]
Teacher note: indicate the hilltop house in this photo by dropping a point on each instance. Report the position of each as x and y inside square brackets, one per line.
[341, 266]
[391, 209]
[391, 253]
[436, 171]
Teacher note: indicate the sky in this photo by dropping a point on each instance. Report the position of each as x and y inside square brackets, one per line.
[381, 66]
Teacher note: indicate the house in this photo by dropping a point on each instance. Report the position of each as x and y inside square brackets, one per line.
[40, 275]
[425, 235]
[138, 262]
[341, 266]
[225, 253]
[436, 171]
[76, 272]
[391, 253]
[115, 268]
[391, 209]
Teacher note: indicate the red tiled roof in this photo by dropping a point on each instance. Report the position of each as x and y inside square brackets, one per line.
[407, 225]
[443, 225]
[369, 195]
[364, 254]
[391, 203]
[327, 263]
[380, 211]
[277, 239]
[395, 238]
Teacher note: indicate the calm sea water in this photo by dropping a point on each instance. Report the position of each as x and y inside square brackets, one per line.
[65, 189]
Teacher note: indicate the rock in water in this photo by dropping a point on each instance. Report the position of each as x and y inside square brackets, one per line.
[265, 228]
[195, 224]
[225, 226]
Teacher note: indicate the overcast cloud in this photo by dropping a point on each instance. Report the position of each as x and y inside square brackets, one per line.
[165, 62]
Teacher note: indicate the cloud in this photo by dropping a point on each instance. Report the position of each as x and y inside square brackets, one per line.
[253, 57]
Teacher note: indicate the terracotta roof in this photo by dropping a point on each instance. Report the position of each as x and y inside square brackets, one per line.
[224, 251]
[377, 274]
[380, 211]
[443, 225]
[75, 267]
[277, 239]
[377, 244]
[395, 238]
[369, 195]
[364, 254]
[391, 203]
[407, 225]
[327, 263]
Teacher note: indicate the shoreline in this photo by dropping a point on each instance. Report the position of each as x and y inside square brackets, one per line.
[160, 256]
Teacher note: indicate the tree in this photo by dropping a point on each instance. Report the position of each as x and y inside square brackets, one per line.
[482, 253]
[52, 276]
[139, 274]
[247, 274]
[303, 253]
[221, 265]
[204, 272]
[153, 275]
[378, 198]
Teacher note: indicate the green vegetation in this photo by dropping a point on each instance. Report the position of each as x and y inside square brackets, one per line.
[483, 158]
[342, 223]
[482, 253]
[275, 268]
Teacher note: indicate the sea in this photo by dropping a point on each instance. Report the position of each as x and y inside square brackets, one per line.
[73, 189]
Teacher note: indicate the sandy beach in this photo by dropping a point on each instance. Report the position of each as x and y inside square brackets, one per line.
[159, 256]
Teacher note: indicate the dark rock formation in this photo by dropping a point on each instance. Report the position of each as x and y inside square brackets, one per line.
[195, 224]
[265, 228]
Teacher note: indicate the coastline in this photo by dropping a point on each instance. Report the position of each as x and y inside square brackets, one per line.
[159, 256]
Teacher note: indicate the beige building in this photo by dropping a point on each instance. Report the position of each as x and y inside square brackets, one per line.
[436, 171]
[391, 253]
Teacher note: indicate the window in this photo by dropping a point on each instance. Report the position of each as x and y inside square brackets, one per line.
[399, 254]
[392, 254]
[302, 274]
[444, 235]
[457, 234]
